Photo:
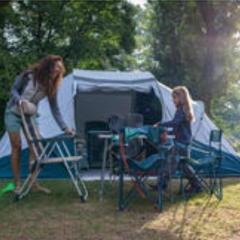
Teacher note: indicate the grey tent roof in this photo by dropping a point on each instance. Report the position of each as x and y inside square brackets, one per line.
[113, 76]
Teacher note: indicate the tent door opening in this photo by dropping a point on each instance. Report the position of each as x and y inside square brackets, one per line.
[93, 109]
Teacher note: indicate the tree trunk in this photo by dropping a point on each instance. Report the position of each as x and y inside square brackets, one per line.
[208, 71]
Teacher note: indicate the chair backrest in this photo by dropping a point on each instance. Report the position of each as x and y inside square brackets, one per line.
[95, 126]
[215, 139]
[116, 123]
[154, 134]
[135, 120]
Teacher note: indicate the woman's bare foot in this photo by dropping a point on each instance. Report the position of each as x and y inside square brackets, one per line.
[38, 188]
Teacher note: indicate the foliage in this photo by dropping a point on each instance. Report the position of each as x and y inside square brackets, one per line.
[192, 43]
[226, 112]
[88, 34]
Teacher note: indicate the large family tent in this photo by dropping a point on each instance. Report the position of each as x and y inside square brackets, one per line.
[88, 98]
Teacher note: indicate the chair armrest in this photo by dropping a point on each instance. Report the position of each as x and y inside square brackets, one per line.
[165, 147]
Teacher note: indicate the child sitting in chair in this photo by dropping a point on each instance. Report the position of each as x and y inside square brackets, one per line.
[181, 124]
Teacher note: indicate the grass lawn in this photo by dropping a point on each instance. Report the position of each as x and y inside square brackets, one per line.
[62, 216]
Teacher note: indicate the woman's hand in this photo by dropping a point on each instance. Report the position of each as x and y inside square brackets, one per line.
[69, 131]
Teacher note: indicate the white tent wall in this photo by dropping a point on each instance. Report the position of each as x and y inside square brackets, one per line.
[111, 81]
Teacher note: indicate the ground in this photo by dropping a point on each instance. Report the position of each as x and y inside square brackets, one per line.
[62, 216]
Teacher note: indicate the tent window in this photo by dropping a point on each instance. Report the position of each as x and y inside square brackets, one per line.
[149, 105]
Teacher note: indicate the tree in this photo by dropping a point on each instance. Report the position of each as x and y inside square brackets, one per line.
[219, 20]
[192, 44]
[88, 34]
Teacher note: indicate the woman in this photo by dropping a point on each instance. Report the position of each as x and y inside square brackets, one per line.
[181, 124]
[32, 85]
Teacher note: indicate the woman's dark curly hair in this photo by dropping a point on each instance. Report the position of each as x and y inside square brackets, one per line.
[43, 74]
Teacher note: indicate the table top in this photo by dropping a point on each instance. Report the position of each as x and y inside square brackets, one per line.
[102, 134]
[105, 134]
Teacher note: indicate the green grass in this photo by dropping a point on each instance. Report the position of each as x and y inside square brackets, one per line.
[62, 216]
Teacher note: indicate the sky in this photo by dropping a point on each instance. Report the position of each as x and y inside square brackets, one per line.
[138, 2]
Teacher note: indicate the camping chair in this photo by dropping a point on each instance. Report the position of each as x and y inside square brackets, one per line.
[135, 146]
[140, 171]
[207, 168]
[49, 151]
[134, 120]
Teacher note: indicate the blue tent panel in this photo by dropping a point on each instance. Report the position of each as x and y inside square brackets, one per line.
[49, 171]
[230, 164]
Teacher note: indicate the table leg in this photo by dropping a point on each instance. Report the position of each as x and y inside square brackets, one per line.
[104, 162]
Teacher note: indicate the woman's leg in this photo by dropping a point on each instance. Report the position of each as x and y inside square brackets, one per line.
[15, 141]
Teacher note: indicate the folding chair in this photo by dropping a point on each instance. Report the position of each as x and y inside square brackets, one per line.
[49, 151]
[207, 168]
[135, 148]
[140, 171]
[134, 120]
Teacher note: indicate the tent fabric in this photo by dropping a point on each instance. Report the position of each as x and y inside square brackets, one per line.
[114, 81]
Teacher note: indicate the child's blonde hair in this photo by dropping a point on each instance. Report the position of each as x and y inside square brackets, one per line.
[185, 100]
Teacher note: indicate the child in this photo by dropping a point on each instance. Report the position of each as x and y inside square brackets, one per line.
[181, 124]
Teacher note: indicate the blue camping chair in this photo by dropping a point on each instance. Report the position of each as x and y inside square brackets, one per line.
[140, 171]
[207, 168]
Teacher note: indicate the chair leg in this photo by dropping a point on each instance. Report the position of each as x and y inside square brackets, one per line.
[128, 198]
[81, 184]
[181, 187]
[121, 188]
[139, 188]
[160, 197]
[220, 193]
[76, 180]
[27, 185]
[217, 186]
[143, 190]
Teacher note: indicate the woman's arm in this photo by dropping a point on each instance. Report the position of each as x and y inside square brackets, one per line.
[56, 112]
[18, 86]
